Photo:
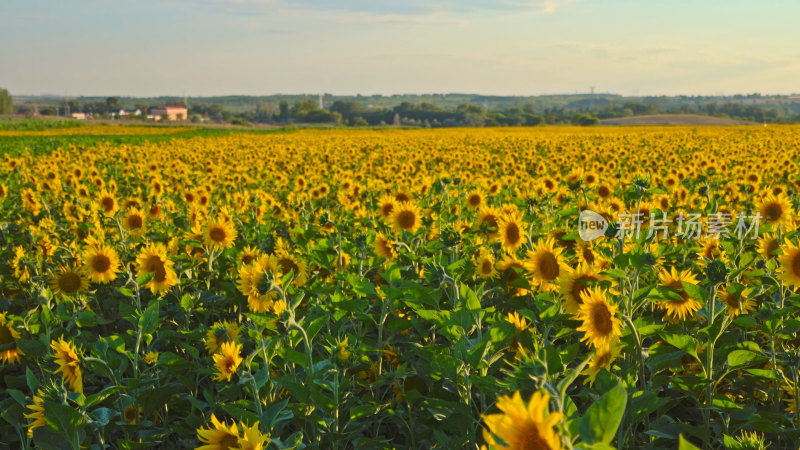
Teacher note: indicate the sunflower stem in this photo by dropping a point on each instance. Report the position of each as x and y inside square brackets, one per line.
[639, 351]
[566, 382]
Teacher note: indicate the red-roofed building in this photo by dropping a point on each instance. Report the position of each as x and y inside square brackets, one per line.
[169, 112]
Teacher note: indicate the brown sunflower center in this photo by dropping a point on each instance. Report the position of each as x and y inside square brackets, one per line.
[406, 219]
[796, 264]
[69, 282]
[474, 200]
[773, 211]
[512, 233]
[135, 221]
[387, 208]
[217, 234]
[548, 266]
[529, 438]
[229, 364]
[156, 265]
[247, 259]
[603, 359]
[732, 301]
[486, 266]
[230, 441]
[588, 256]
[771, 246]
[107, 203]
[5, 335]
[288, 265]
[101, 263]
[491, 220]
[601, 317]
[678, 287]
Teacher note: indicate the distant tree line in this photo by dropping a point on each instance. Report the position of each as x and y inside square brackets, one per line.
[6, 103]
[434, 110]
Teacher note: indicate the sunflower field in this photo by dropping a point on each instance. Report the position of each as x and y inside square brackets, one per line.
[342, 289]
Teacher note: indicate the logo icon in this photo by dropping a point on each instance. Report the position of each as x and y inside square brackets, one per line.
[591, 225]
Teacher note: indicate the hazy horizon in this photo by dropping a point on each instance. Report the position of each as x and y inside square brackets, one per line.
[203, 48]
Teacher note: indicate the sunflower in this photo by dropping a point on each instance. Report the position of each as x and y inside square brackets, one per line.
[227, 360]
[256, 285]
[604, 190]
[151, 358]
[384, 247]
[69, 280]
[545, 265]
[475, 199]
[601, 359]
[598, 317]
[587, 254]
[286, 262]
[108, 203]
[575, 282]
[66, 357]
[9, 353]
[386, 205]
[248, 255]
[736, 304]
[775, 209]
[508, 268]
[251, 438]
[38, 413]
[768, 246]
[154, 212]
[511, 231]
[219, 234]
[153, 258]
[488, 216]
[484, 265]
[685, 307]
[225, 331]
[21, 271]
[790, 265]
[523, 426]
[520, 323]
[406, 216]
[218, 436]
[134, 221]
[101, 263]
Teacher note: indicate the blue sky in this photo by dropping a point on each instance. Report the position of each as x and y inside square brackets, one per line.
[503, 47]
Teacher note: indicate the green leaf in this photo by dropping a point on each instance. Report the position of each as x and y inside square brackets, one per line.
[102, 395]
[470, 298]
[149, 320]
[739, 358]
[31, 379]
[102, 416]
[683, 444]
[125, 291]
[145, 278]
[187, 301]
[18, 396]
[276, 413]
[600, 423]
[63, 418]
[683, 342]
[695, 292]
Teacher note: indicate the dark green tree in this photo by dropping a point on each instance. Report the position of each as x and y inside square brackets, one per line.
[6, 103]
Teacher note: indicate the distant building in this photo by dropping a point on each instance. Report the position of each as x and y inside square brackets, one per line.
[169, 112]
[127, 112]
[79, 116]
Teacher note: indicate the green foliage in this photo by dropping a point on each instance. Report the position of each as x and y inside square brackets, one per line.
[6, 102]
